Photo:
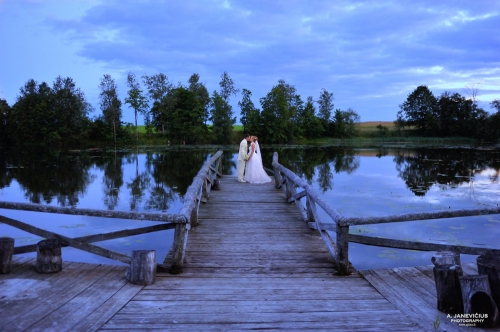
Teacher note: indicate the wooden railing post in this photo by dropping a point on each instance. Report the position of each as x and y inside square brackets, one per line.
[289, 188]
[179, 247]
[309, 210]
[342, 249]
[277, 174]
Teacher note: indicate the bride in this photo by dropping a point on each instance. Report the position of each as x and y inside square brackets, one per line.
[254, 171]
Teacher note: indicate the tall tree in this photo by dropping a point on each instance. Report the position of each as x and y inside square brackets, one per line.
[344, 123]
[325, 107]
[275, 116]
[186, 119]
[135, 99]
[110, 104]
[158, 87]
[308, 121]
[71, 110]
[418, 110]
[249, 115]
[33, 117]
[221, 115]
[5, 113]
[201, 94]
[227, 88]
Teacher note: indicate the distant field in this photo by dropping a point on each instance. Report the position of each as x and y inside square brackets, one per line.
[372, 125]
[363, 126]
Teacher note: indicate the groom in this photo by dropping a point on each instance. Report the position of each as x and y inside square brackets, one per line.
[242, 158]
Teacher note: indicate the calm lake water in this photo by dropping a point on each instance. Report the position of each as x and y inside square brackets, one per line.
[357, 182]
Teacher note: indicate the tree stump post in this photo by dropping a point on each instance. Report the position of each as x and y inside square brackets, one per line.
[449, 296]
[216, 184]
[476, 295]
[6, 252]
[446, 257]
[489, 264]
[142, 269]
[48, 256]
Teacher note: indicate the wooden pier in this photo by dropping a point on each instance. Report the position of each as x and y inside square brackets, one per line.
[252, 263]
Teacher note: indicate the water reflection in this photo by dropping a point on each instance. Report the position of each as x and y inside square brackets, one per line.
[356, 182]
[449, 168]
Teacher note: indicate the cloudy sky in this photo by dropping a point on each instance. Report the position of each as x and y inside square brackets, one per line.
[370, 54]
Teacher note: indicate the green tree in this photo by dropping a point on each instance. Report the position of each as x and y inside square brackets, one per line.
[344, 123]
[325, 108]
[201, 94]
[136, 99]
[5, 114]
[249, 115]
[71, 111]
[310, 124]
[492, 131]
[110, 104]
[221, 115]
[275, 116]
[159, 87]
[459, 116]
[227, 88]
[33, 117]
[418, 111]
[186, 124]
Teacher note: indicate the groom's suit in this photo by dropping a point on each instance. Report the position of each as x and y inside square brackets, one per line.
[241, 160]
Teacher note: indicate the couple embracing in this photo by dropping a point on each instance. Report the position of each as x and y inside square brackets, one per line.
[250, 168]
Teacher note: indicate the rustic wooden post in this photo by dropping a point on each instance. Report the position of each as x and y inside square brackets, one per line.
[309, 210]
[449, 296]
[6, 252]
[216, 184]
[489, 264]
[204, 191]
[179, 247]
[194, 214]
[142, 269]
[342, 249]
[288, 188]
[476, 295]
[277, 174]
[446, 257]
[48, 258]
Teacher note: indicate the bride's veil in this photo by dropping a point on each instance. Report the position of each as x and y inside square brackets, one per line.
[257, 148]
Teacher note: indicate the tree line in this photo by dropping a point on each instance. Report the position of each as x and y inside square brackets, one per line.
[449, 115]
[58, 116]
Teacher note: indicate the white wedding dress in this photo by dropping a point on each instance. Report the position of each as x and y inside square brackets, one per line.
[254, 171]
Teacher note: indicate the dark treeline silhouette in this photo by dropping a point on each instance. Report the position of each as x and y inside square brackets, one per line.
[447, 167]
[59, 116]
[449, 115]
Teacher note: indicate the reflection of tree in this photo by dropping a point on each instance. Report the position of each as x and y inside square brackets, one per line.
[325, 177]
[447, 167]
[45, 176]
[112, 181]
[160, 197]
[139, 184]
[309, 161]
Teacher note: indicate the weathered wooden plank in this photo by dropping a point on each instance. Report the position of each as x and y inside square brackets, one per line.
[104, 237]
[413, 245]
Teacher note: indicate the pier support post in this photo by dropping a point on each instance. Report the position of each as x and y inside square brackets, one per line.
[6, 252]
[342, 249]
[489, 264]
[179, 248]
[449, 295]
[446, 257]
[48, 256]
[476, 295]
[142, 269]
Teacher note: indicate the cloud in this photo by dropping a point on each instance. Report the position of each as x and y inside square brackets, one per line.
[371, 55]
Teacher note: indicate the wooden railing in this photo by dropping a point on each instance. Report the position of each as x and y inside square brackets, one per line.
[197, 192]
[339, 248]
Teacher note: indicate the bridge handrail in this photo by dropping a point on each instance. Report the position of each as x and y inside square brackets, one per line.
[197, 192]
[339, 250]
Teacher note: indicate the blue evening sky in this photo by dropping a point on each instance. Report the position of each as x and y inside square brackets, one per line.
[370, 54]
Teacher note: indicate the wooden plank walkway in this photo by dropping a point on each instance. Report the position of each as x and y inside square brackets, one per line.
[250, 264]
[413, 291]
